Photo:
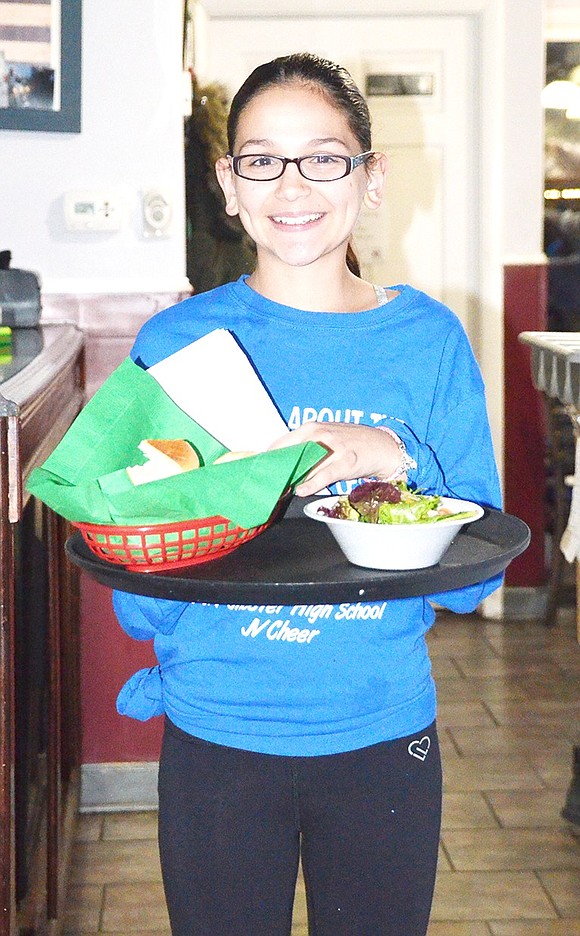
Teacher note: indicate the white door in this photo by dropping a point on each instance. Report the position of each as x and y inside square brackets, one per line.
[426, 231]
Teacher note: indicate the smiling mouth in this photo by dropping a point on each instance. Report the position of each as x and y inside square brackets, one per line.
[296, 220]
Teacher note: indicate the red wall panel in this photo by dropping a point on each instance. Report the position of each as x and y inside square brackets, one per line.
[525, 309]
[108, 658]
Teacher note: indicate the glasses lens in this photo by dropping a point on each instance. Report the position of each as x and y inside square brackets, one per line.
[324, 167]
[259, 167]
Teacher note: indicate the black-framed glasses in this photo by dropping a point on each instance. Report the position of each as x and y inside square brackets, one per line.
[320, 167]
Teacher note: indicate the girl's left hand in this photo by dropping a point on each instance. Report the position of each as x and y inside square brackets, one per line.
[354, 451]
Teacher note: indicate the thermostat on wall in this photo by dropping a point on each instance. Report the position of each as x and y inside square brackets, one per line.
[92, 210]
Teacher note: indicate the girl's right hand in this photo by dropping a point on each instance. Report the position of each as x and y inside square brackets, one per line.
[354, 451]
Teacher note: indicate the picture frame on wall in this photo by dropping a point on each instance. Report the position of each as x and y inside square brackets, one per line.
[40, 65]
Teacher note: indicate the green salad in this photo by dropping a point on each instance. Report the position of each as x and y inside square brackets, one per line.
[390, 502]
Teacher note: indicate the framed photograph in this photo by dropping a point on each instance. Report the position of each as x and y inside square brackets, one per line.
[40, 65]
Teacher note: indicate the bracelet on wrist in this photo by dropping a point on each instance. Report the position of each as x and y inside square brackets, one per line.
[406, 463]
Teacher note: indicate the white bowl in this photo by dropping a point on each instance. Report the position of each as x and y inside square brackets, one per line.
[395, 546]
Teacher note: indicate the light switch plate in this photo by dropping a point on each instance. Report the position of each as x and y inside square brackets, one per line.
[157, 213]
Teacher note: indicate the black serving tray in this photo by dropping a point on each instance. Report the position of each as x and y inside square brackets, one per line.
[297, 560]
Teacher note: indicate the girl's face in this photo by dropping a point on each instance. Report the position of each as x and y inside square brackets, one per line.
[291, 219]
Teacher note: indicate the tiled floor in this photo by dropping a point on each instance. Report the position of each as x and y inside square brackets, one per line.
[509, 707]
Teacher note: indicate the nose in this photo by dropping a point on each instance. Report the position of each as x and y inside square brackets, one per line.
[291, 184]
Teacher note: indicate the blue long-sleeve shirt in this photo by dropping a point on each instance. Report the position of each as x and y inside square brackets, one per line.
[306, 680]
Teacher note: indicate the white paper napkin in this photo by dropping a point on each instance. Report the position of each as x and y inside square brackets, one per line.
[570, 542]
[213, 381]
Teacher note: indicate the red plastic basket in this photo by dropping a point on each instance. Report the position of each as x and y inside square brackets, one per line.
[166, 545]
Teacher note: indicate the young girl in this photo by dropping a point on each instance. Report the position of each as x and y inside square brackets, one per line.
[323, 750]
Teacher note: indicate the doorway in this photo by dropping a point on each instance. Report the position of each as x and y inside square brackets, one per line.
[420, 75]
[562, 184]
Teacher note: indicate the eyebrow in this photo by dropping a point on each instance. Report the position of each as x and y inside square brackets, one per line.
[255, 143]
[316, 142]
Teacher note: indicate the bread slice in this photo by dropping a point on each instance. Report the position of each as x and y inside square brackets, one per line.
[232, 456]
[165, 458]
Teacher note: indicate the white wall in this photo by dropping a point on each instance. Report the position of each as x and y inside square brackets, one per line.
[563, 20]
[131, 139]
[522, 182]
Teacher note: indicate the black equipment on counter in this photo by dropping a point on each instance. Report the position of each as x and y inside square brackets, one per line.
[20, 302]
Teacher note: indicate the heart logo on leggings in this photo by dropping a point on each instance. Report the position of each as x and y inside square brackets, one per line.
[420, 748]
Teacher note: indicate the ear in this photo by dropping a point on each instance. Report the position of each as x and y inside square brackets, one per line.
[376, 169]
[225, 177]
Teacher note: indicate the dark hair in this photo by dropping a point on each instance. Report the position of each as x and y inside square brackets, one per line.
[307, 69]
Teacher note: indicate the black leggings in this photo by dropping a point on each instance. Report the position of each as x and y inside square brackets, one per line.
[233, 825]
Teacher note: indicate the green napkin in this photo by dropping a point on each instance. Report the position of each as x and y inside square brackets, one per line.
[84, 479]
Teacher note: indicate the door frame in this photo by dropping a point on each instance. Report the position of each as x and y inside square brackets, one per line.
[510, 133]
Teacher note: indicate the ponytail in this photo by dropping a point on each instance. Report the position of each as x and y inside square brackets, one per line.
[352, 260]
